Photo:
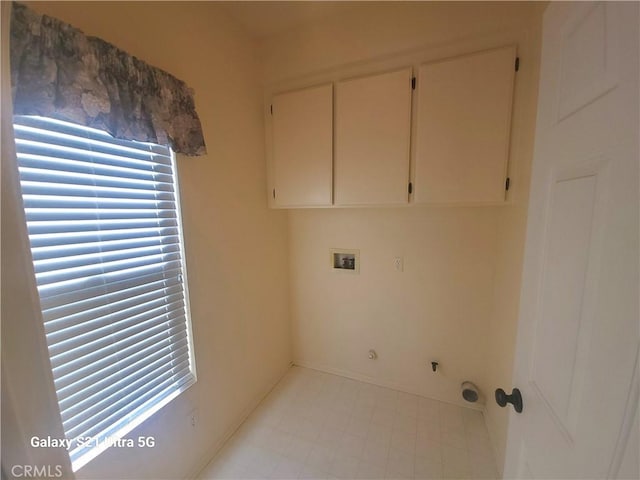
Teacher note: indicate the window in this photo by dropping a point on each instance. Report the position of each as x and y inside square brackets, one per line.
[104, 227]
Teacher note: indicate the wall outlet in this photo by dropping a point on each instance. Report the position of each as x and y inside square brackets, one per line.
[192, 418]
[398, 264]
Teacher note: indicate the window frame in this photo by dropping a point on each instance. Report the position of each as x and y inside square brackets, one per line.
[84, 457]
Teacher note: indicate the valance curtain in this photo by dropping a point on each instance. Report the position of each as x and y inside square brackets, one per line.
[59, 72]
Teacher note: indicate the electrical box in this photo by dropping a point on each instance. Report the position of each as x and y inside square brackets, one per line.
[344, 260]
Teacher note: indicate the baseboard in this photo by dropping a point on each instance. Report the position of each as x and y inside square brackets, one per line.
[217, 446]
[382, 383]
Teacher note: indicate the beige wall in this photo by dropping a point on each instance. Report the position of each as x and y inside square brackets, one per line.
[236, 247]
[437, 308]
[456, 300]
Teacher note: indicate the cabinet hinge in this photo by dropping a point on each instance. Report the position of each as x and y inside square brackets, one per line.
[410, 187]
[517, 63]
[271, 109]
[413, 83]
[274, 193]
[507, 183]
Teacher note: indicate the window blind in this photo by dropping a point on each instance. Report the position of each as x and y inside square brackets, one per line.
[104, 228]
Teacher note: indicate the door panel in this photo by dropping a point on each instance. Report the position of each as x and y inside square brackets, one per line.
[463, 127]
[589, 64]
[303, 147]
[373, 124]
[570, 261]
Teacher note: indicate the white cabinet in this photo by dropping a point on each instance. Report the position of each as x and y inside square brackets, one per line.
[373, 125]
[353, 148]
[302, 126]
[463, 127]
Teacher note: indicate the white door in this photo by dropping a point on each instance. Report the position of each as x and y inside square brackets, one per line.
[577, 351]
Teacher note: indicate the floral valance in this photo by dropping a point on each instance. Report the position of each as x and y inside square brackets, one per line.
[58, 72]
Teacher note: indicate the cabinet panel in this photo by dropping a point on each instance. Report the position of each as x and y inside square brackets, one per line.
[303, 147]
[373, 123]
[463, 127]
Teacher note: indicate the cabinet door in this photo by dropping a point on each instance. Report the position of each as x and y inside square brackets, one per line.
[463, 126]
[373, 123]
[303, 147]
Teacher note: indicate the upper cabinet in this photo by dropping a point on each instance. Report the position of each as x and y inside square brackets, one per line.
[363, 143]
[372, 139]
[302, 126]
[463, 126]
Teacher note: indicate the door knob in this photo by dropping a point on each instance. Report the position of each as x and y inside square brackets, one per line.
[514, 399]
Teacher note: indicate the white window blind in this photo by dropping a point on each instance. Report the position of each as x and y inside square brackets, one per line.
[104, 227]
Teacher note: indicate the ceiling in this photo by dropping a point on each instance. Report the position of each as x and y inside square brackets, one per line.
[264, 18]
